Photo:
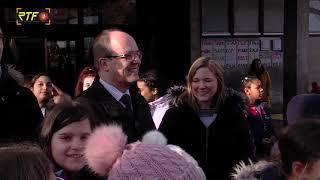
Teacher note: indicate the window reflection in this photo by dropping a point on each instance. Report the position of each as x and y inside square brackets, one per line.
[10, 15]
[246, 16]
[273, 15]
[119, 12]
[64, 16]
[214, 16]
[62, 61]
[91, 15]
[314, 16]
[87, 46]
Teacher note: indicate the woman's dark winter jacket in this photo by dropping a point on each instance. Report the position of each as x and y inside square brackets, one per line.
[216, 148]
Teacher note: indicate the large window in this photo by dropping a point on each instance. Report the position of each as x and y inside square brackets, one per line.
[243, 17]
[314, 16]
[64, 16]
[10, 16]
[273, 16]
[246, 16]
[91, 15]
[119, 12]
[214, 16]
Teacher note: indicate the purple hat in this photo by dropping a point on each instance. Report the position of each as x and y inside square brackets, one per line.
[303, 106]
[108, 155]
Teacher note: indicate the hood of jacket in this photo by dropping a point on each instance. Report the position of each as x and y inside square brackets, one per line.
[262, 170]
[162, 101]
[232, 100]
[174, 94]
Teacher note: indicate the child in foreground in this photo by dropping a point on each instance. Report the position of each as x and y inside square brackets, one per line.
[108, 155]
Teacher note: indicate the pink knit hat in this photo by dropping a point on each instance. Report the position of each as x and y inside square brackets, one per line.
[108, 155]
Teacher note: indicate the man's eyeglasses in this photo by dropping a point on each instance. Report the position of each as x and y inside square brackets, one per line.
[133, 55]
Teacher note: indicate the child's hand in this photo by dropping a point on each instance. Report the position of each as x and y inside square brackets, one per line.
[59, 96]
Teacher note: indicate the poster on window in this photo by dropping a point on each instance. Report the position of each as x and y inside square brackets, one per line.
[277, 58]
[266, 57]
[231, 53]
[219, 54]
[242, 53]
[206, 48]
[254, 46]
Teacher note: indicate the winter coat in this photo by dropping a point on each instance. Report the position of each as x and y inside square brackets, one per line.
[159, 107]
[20, 114]
[266, 85]
[259, 119]
[262, 170]
[216, 148]
[109, 110]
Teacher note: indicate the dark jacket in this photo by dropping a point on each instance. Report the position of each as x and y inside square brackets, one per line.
[262, 170]
[259, 119]
[20, 114]
[109, 110]
[216, 148]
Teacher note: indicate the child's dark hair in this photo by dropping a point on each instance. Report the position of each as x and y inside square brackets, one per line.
[247, 81]
[152, 81]
[299, 142]
[88, 71]
[60, 116]
[24, 162]
[37, 76]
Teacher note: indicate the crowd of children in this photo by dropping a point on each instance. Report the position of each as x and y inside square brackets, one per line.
[205, 131]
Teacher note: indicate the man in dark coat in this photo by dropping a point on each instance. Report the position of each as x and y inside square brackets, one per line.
[117, 59]
[20, 114]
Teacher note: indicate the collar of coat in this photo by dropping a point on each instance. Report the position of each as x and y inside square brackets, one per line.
[250, 171]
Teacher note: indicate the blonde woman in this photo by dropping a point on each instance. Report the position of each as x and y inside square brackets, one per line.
[209, 121]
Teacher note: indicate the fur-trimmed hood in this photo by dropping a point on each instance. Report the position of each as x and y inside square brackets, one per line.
[262, 170]
[173, 94]
[235, 98]
[232, 99]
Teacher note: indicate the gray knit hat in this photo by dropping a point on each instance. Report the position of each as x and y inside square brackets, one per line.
[303, 107]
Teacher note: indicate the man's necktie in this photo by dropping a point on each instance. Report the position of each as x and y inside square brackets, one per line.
[126, 100]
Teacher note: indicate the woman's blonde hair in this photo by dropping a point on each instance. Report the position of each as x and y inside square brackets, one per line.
[205, 62]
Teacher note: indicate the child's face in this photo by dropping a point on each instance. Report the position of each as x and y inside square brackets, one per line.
[148, 94]
[42, 88]
[255, 91]
[67, 145]
[87, 82]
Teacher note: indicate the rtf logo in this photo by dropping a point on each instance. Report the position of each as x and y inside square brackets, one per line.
[32, 16]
